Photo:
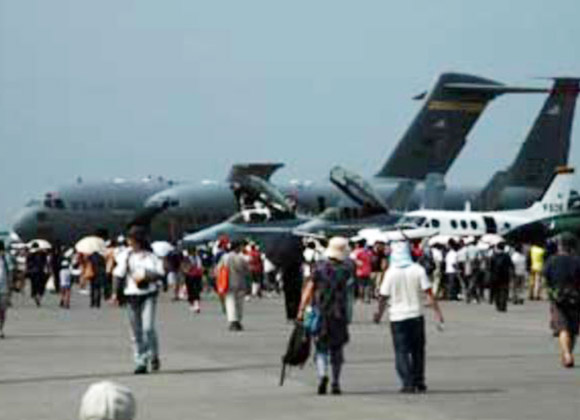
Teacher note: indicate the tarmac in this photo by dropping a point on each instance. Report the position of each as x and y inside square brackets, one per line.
[484, 365]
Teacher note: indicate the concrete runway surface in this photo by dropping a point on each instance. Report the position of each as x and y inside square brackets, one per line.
[485, 365]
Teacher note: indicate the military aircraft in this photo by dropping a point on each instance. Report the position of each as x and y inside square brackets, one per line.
[554, 201]
[429, 146]
[538, 157]
[72, 211]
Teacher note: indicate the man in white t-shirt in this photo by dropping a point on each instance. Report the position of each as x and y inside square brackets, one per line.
[404, 285]
[520, 275]
[451, 272]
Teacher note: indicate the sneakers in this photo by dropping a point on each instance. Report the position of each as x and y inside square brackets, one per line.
[236, 326]
[155, 364]
[322, 386]
[407, 390]
[336, 389]
[140, 370]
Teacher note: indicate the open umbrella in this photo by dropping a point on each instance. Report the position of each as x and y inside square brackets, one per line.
[40, 244]
[162, 248]
[440, 240]
[90, 244]
[492, 239]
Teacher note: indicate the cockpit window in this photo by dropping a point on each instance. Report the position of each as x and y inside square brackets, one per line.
[411, 222]
[54, 203]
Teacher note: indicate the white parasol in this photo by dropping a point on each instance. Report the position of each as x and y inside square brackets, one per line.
[492, 239]
[162, 248]
[90, 244]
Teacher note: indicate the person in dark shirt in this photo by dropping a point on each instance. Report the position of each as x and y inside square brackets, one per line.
[36, 269]
[562, 273]
[501, 270]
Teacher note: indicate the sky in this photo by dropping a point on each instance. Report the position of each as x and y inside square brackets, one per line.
[185, 88]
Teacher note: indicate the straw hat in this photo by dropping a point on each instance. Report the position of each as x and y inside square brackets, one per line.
[338, 248]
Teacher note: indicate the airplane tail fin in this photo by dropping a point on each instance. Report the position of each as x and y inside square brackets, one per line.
[547, 145]
[438, 132]
[555, 198]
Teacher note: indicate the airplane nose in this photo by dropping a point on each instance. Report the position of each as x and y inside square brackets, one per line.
[25, 224]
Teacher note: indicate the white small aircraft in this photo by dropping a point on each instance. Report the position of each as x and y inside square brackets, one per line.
[425, 223]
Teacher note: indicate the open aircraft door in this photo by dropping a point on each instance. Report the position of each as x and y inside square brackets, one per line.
[357, 189]
[490, 224]
[257, 189]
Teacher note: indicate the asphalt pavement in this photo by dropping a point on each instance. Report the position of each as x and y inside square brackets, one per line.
[484, 365]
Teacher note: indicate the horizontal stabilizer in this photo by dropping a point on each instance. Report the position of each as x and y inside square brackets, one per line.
[496, 89]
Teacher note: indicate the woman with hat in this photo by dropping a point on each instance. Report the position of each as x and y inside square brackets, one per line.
[141, 270]
[327, 290]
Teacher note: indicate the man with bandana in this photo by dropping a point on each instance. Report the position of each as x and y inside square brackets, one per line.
[402, 288]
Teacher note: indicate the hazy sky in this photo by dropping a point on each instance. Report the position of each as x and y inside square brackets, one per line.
[184, 88]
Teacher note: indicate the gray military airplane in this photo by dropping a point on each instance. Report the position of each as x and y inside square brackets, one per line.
[546, 147]
[83, 208]
[429, 146]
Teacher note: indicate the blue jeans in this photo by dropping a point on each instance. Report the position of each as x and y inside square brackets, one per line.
[141, 311]
[409, 343]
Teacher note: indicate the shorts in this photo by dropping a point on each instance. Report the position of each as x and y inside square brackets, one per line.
[564, 318]
[65, 279]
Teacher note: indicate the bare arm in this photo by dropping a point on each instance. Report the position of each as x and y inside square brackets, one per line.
[382, 305]
[435, 305]
[307, 294]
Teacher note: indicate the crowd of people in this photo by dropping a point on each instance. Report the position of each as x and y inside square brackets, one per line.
[333, 277]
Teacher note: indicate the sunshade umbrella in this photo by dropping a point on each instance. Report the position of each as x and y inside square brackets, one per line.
[439, 240]
[492, 239]
[90, 244]
[162, 248]
[40, 244]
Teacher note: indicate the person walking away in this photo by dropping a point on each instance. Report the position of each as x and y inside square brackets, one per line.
[363, 261]
[141, 269]
[537, 253]
[472, 272]
[311, 256]
[437, 252]
[238, 269]
[193, 272]
[327, 291]
[65, 279]
[501, 270]
[379, 263]
[36, 269]
[520, 275]
[256, 270]
[96, 275]
[562, 273]
[451, 272]
[403, 285]
[5, 286]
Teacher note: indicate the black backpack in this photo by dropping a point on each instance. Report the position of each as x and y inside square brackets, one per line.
[297, 351]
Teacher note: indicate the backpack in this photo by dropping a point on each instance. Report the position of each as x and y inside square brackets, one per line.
[222, 282]
[297, 350]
